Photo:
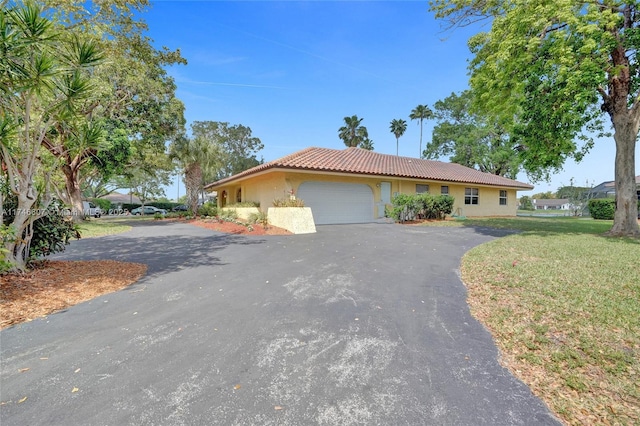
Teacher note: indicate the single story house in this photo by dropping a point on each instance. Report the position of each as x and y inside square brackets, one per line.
[552, 204]
[354, 185]
[118, 198]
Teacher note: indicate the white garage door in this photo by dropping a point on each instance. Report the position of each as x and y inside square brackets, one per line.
[333, 202]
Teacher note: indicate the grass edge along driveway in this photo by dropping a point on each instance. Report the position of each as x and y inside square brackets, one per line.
[563, 305]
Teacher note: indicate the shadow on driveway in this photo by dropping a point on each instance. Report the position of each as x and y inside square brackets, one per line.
[189, 246]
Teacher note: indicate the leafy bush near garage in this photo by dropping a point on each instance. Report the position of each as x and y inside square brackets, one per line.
[259, 218]
[602, 208]
[228, 215]
[420, 206]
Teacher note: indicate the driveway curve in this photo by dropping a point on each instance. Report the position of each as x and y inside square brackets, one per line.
[354, 325]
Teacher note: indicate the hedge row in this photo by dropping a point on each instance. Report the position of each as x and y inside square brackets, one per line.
[107, 205]
[603, 208]
[420, 206]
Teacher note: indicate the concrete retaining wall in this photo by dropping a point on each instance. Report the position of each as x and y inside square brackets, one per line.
[298, 220]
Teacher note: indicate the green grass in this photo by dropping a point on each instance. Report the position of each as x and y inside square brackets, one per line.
[543, 225]
[99, 228]
[563, 303]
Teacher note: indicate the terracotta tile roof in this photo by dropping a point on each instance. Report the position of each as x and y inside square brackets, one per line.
[362, 161]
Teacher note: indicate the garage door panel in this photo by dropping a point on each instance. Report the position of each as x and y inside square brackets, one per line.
[336, 202]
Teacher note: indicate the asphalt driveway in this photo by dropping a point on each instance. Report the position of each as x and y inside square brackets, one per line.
[360, 324]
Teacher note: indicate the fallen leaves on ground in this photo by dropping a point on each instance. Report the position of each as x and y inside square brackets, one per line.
[55, 285]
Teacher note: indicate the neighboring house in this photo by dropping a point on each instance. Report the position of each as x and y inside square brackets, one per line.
[354, 185]
[608, 189]
[552, 204]
[118, 198]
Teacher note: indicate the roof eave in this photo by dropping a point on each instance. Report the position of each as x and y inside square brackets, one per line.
[242, 176]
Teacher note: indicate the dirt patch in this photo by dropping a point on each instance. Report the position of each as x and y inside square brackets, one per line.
[55, 285]
[234, 228]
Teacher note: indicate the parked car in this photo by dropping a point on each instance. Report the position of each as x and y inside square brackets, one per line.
[148, 210]
[90, 209]
[181, 208]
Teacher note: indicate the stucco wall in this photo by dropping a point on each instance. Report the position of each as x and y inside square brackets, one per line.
[243, 212]
[278, 184]
[488, 198]
[262, 189]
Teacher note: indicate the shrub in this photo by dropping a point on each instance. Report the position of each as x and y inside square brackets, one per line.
[602, 208]
[7, 234]
[288, 202]
[52, 232]
[443, 205]
[420, 206]
[229, 215]
[208, 209]
[260, 218]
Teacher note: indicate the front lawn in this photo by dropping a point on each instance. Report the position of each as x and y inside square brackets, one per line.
[563, 304]
[98, 228]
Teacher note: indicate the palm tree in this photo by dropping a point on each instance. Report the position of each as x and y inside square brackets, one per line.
[193, 156]
[352, 133]
[421, 112]
[398, 127]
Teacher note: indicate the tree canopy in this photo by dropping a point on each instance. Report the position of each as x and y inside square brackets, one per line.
[555, 70]
[237, 148]
[353, 134]
[398, 126]
[472, 138]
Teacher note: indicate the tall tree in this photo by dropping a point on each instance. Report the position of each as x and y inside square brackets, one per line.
[472, 138]
[366, 143]
[398, 127]
[193, 156]
[133, 92]
[557, 67]
[44, 82]
[237, 148]
[353, 134]
[421, 113]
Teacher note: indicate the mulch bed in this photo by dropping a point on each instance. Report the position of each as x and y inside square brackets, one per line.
[54, 285]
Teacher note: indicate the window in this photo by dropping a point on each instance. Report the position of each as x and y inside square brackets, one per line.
[420, 189]
[503, 197]
[471, 195]
[239, 195]
[444, 190]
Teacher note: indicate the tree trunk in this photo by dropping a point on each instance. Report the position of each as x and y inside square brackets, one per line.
[420, 156]
[73, 192]
[192, 181]
[625, 219]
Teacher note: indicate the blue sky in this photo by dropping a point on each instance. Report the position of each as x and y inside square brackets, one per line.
[292, 70]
